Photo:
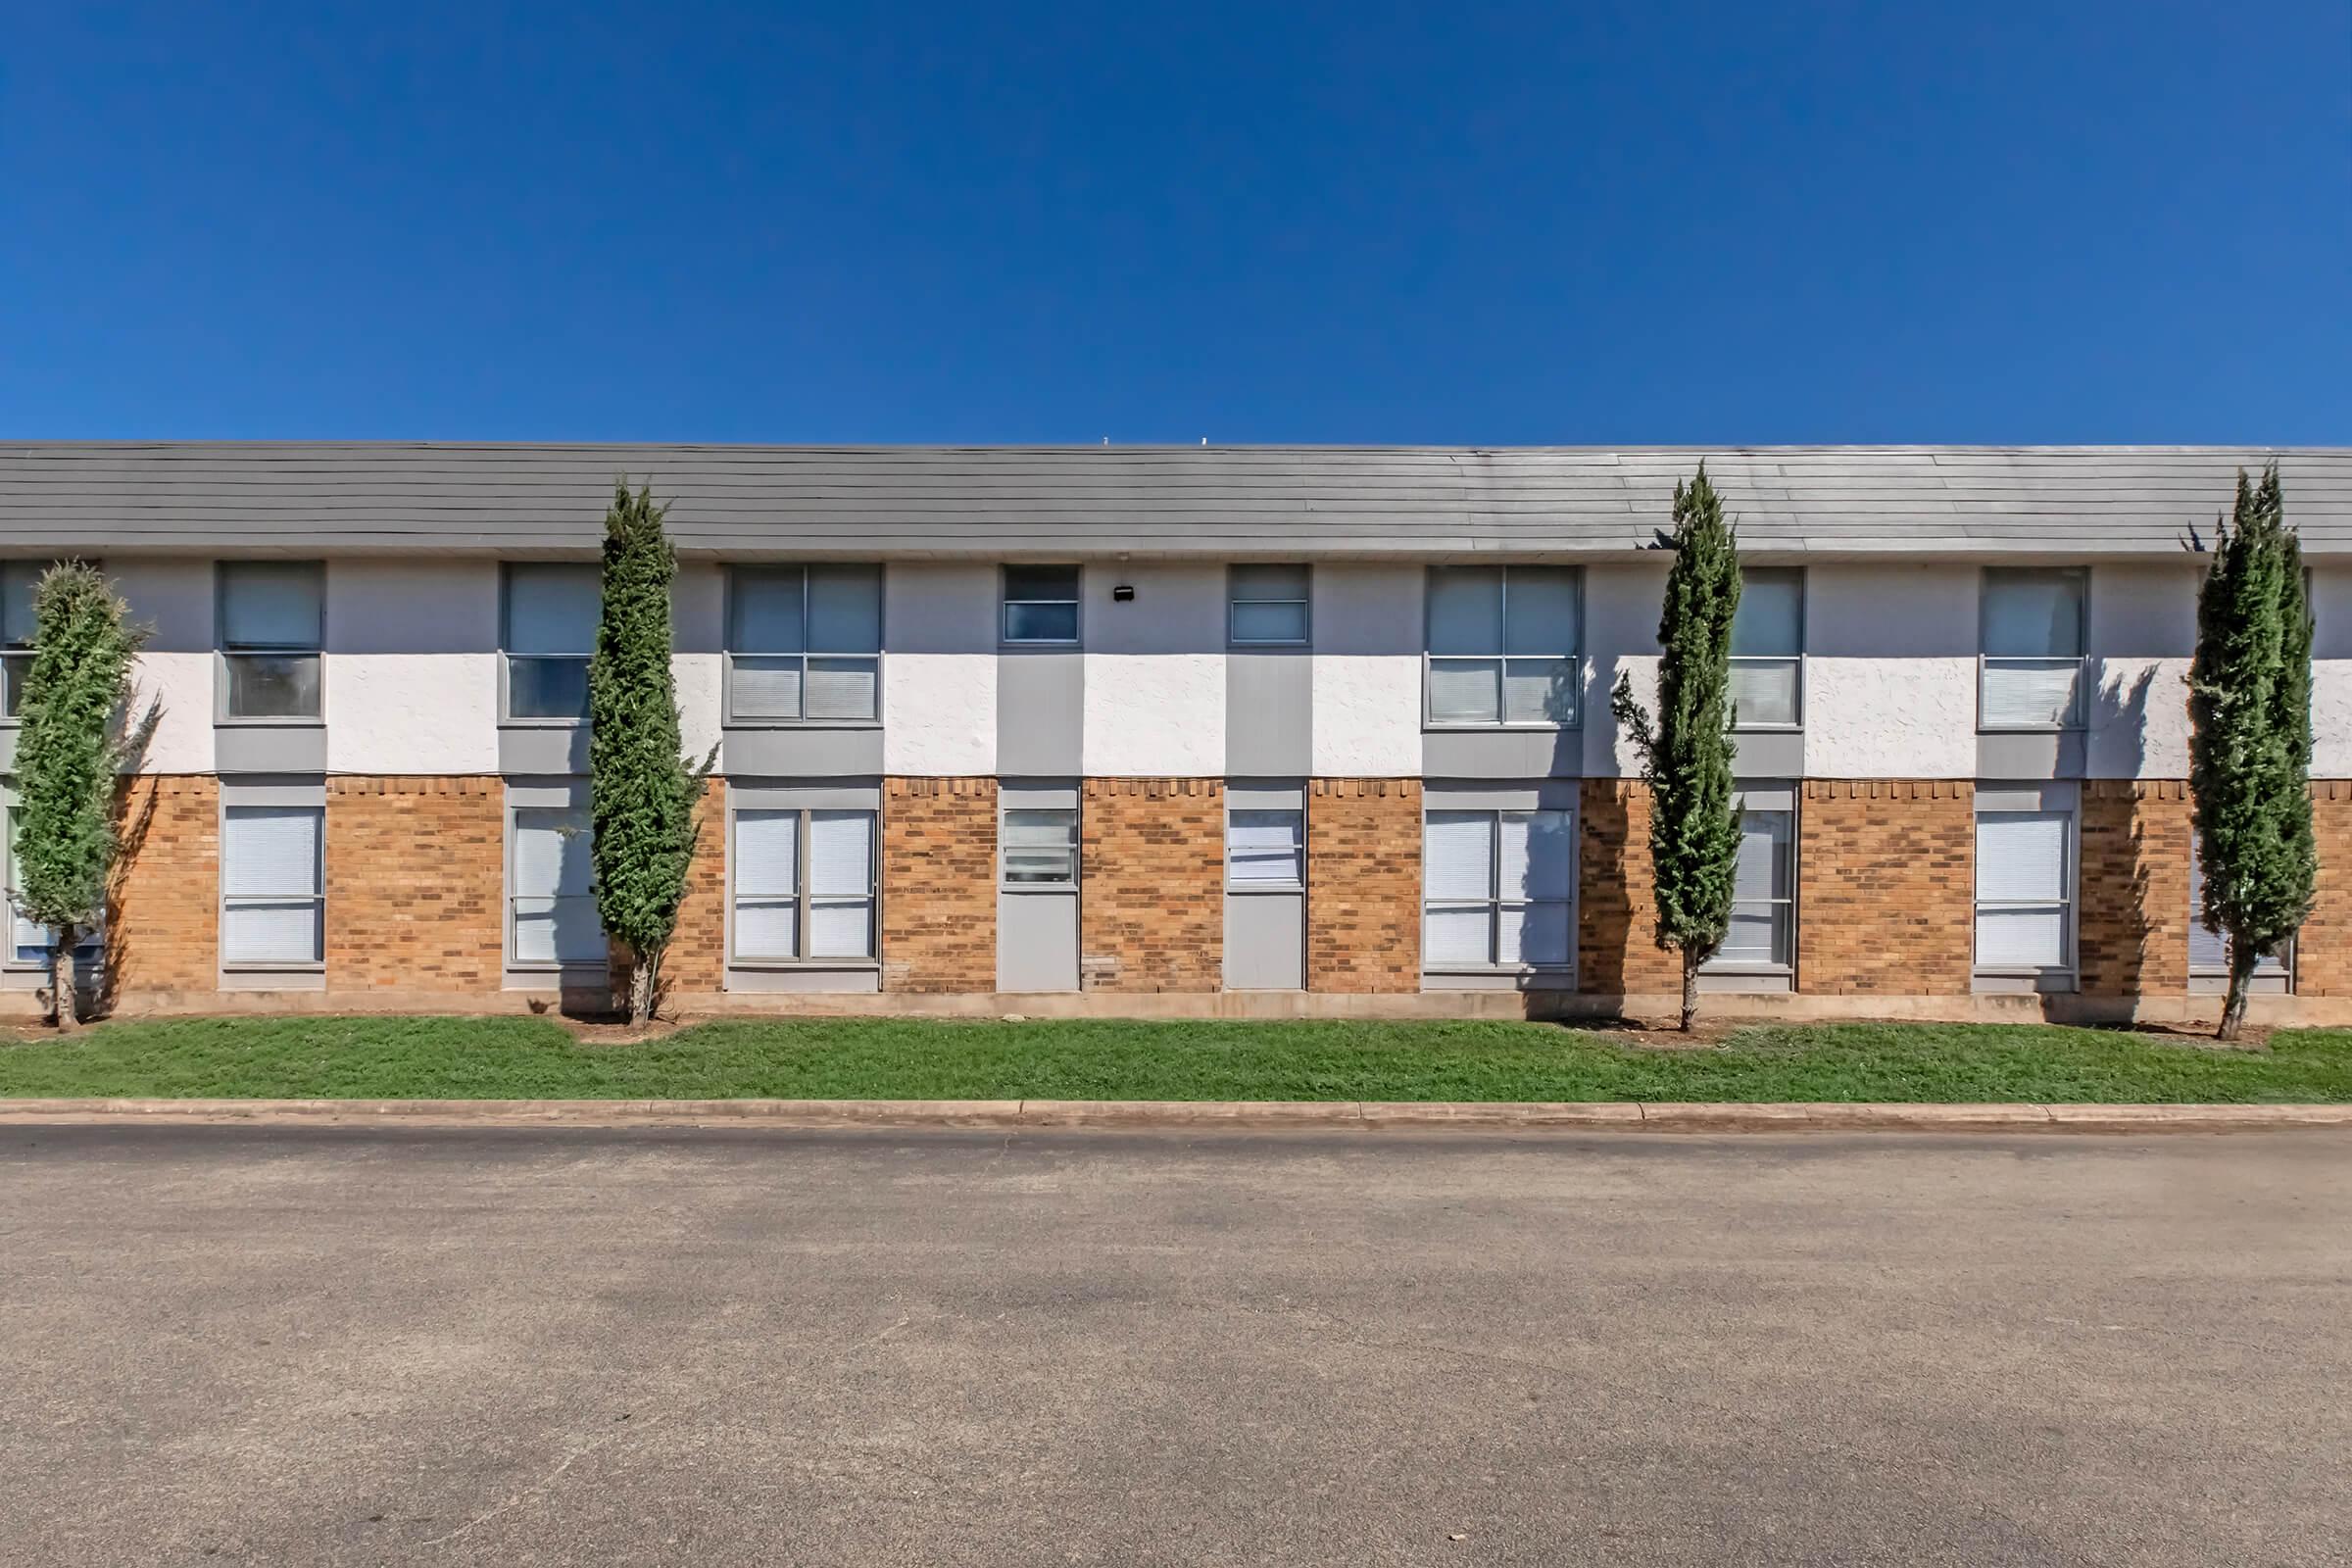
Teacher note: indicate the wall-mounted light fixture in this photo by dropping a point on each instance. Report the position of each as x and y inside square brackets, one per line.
[1123, 592]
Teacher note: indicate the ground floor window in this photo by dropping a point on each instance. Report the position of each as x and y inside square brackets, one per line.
[2209, 946]
[1763, 928]
[2025, 883]
[803, 885]
[1041, 846]
[1265, 850]
[28, 942]
[1497, 888]
[550, 914]
[272, 892]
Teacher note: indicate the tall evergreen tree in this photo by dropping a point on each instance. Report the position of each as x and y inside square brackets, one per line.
[72, 744]
[642, 794]
[2249, 753]
[1687, 756]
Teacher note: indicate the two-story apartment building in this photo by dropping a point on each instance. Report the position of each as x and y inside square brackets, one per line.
[1175, 730]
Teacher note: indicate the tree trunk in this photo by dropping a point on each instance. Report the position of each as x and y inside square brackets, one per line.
[1690, 963]
[65, 990]
[2233, 1005]
[643, 973]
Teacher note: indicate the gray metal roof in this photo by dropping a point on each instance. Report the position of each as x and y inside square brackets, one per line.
[1224, 502]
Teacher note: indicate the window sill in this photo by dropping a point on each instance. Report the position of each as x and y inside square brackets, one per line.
[1033, 647]
[274, 968]
[1292, 889]
[228, 721]
[1242, 646]
[1758, 971]
[731, 722]
[796, 965]
[2030, 729]
[1429, 727]
[1037, 887]
[1499, 968]
[509, 722]
[1797, 728]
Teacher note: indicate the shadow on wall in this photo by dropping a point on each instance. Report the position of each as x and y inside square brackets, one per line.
[136, 810]
[2119, 724]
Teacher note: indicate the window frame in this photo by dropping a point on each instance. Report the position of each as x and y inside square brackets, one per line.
[2276, 972]
[15, 658]
[735, 574]
[2069, 969]
[2078, 718]
[1292, 888]
[515, 961]
[1803, 608]
[1495, 903]
[1004, 604]
[1077, 848]
[1575, 657]
[89, 953]
[223, 898]
[1784, 966]
[804, 901]
[223, 653]
[507, 716]
[1306, 602]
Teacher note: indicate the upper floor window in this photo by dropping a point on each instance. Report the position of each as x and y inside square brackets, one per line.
[2032, 662]
[17, 580]
[1503, 644]
[271, 616]
[550, 616]
[1768, 646]
[1041, 605]
[1269, 606]
[804, 644]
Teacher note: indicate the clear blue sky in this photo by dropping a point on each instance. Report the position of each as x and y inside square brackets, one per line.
[1640, 222]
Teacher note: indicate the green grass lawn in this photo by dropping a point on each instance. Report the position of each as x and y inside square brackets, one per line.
[494, 1059]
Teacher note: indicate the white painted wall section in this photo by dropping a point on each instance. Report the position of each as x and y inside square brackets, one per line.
[1890, 671]
[2331, 673]
[698, 629]
[1621, 637]
[1367, 674]
[1154, 671]
[412, 667]
[939, 669]
[2144, 630]
[174, 671]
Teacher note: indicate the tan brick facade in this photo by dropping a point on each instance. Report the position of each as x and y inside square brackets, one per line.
[163, 926]
[415, 883]
[2324, 948]
[1885, 898]
[1363, 884]
[2131, 924]
[939, 884]
[1151, 889]
[1617, 953]
[697, 961]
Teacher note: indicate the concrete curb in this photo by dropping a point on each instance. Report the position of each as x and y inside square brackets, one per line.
[1623, 1115]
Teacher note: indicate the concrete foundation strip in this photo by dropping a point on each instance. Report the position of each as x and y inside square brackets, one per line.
[1621, 1115]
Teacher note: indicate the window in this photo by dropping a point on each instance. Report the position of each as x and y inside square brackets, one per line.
[1041, 846]
[1265, 850]
[1503, 644]
[803, 885]
[28, 942]
[805, 645]
[551, 616]
[18, 579]
[2033, 665]
[1041, 604]
[1269, 606]
[270, 638]
[2208, 946]
[2024, 890]
[550, 914]
[271, 891]
[1768, 644]
[1763, 893]
[1497, 889]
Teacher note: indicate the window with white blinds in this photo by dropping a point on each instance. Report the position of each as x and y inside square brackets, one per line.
[803, 885]
[1039, 847]
[2209, 945]
[551, 615]
[29, 941]
[1768, 644]
[17, 580]
[2032, 649]
[805, 645]
[1503, 644]
[1265, 850]
[271, 891]
[2024, 890]
[1497, 889]
[1763, 893]
[552, 915]
[272, 624]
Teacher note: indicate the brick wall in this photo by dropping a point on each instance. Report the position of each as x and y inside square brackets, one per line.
[2324, 947]
[2133, 922]
[1617, 953]
[697, 959]
[1363, 884]
[1151, 893]
[164, 918]
[414, 881]
[939, 884]
[1886, 887]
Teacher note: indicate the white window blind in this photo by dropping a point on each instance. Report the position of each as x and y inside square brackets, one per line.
[1767, 645]
[553, 914]
[804, 643]
[1503, 644]
[2209, 945]
[269, 884]
[2032, 649]
[767, 884]
[1041, 846]
[804, 884]
[1497, 888]
[28, 942]
[1763, 889]
[841, 884]
[1263, 849]
[2023, 889]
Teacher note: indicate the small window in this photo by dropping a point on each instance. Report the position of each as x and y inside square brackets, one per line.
[270, 619]
[2033, 665]
[271, 897]
[1041, 846]
[1265, 850]
[805, 645]
[17, 580]
[2209, 945]
[552, 918]
[1041, 604]
[1269, 606]
[803, 885]
[1768, 644]
[28, 942]
[551, 616]
[1763, 893]
[1503, 644]
[1497, 889]
[2025, 890]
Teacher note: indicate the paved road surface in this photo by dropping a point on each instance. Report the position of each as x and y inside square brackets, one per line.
[323, 1346]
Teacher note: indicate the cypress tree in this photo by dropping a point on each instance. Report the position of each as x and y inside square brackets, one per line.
[2249, 755]
[71, 745]
[642, 794]
[1686, 757]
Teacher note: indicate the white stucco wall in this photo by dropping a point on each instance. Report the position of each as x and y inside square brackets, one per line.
[1621, 636]
[939, 669]
[412, 667]
[2144, 630]
[2331, 673]
[1154, 671]
[698, 629]
[1367, 675]
[1890, 671]
[174, 598]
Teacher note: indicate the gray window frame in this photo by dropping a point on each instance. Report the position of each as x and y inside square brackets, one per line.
[1004, 814]
[1495, 903]
[1780, 800]
[515, 961]
[223, 653]
[2070, 806]
[1574, 655]
[1291, 887]
[506, 620]
[15, 658]
[260, 799]
[731, 719]
[1803, 608]
[89, 953]
[1306, 602]
[804, 902]
[1004, 604]
[2078, 719]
